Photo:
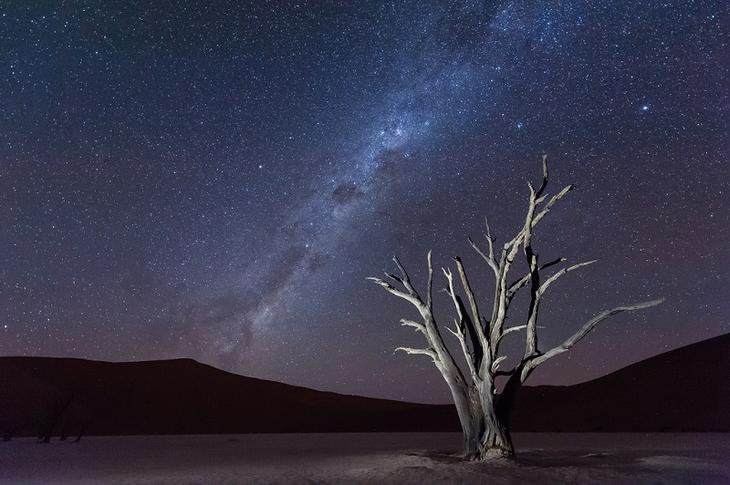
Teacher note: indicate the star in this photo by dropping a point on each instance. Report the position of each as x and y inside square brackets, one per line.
[138, 219]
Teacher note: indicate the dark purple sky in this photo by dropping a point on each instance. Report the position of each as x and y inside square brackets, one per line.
[215, 179]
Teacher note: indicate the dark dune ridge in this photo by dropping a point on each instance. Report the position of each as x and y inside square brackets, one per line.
[687, 389]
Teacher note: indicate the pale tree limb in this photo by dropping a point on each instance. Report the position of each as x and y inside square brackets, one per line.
[417, 325]
[537, 292]
[476, 318]
[501, 303]
[468, 354]
[399, 293]
[446, 363]
[458, 306]
[536, 289]
[490, 239]
[563, 271]
[429, 287]
[497, 361]
[509, 330]
[544, 182]
[464, 323]
[405, 278]
[509, 251]
[566, 345]
[518, 284]
[441, 354]
[531, 333]
[412, 351]
[517, 328]
[394, 278]
[456, 333]
[489, 256]
[555, 198]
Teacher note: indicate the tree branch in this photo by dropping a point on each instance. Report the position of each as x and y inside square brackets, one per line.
[489, 256]
[563, 271]
[405, 278]
[531, 257]
[465, 324]
[400, 294]
[532, 363]
[555, 198]
[518, 284]
[497, 361]
[459, 334]
[501, 302]
[443, 358]
[417, 325]
[544, 183]
[509, 330]
[429, 288]
[412, 351]
[476, 319]
[486, 257]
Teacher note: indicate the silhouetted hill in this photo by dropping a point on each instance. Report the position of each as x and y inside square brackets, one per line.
[687, 389]
[183, 396]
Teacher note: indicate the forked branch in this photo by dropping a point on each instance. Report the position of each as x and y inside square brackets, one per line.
[566, 345]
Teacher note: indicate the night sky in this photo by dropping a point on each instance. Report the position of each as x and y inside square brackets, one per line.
[215, 180]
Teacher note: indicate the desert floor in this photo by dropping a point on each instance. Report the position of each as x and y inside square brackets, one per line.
[422, 458]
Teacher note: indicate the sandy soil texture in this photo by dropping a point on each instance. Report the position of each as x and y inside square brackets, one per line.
[391, 458]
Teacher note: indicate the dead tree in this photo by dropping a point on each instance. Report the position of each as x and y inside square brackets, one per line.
[51, 421]
[482, 408]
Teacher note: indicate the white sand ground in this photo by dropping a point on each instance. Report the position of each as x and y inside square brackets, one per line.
[391, 458]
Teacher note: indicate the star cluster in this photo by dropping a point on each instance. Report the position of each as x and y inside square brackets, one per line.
[215, 179]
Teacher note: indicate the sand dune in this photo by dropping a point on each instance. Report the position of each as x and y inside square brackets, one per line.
[675, 391]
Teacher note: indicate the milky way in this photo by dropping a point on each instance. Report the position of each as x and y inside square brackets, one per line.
[216, 181]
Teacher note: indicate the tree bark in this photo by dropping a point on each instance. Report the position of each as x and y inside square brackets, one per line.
[473, 432]
[495, 440]
[467, 408]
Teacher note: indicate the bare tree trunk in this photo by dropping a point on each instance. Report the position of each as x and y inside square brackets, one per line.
[473, 429]
[485, 429]
[467, 408]
[495, 439]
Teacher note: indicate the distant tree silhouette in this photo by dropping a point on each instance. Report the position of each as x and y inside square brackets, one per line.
[49, 423]
[483, 410]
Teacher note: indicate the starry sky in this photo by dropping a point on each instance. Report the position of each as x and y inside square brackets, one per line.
[215, 180]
